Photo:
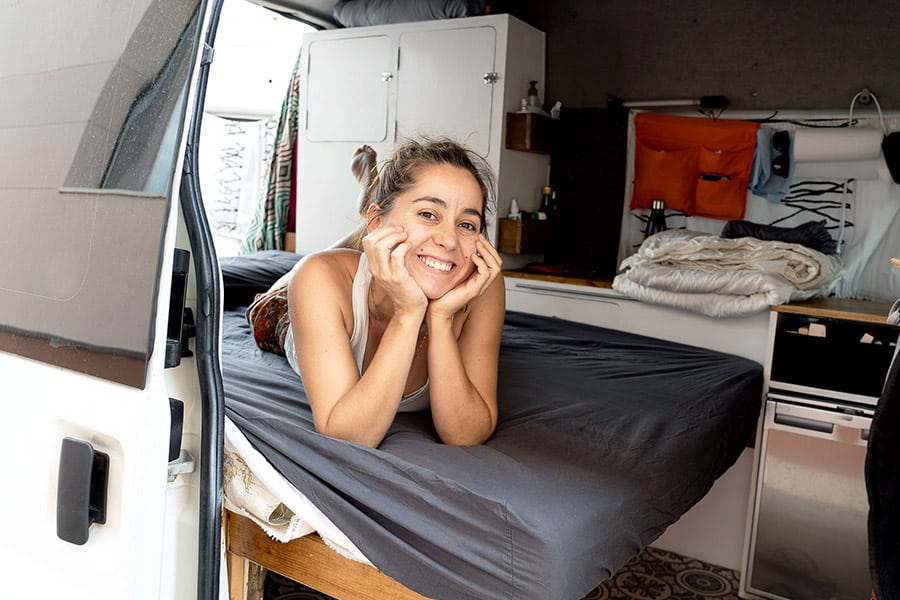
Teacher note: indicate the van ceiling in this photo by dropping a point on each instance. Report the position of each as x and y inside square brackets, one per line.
[319, 13]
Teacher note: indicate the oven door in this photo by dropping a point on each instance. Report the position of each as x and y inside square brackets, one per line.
[809, 537]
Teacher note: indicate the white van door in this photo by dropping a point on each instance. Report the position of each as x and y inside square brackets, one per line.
[109, 491]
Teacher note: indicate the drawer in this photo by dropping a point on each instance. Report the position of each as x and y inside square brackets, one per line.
[832, 355]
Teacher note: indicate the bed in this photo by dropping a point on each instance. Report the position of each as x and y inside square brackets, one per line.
[604, 439]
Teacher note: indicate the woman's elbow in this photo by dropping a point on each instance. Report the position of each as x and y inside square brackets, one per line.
[467, 437]
[364, 438]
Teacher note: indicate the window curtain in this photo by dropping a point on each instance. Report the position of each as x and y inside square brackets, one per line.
[270, 221]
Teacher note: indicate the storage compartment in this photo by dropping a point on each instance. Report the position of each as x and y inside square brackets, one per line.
[522, 236]
[832, 355]
[807, 536]
[529, 131]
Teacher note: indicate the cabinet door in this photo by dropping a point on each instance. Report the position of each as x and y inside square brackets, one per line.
[349, 83]
[441, 89]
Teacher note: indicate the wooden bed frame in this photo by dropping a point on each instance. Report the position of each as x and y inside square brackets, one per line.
[306, 560]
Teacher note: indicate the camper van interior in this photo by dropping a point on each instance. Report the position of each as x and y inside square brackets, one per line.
[697, 209]
[636, 116]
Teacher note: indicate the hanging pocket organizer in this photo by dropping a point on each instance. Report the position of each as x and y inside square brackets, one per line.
[699, 166]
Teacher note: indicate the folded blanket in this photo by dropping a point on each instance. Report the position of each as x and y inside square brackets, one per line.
[724, 277]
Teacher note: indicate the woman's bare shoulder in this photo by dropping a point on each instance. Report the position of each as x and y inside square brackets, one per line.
[337, 266]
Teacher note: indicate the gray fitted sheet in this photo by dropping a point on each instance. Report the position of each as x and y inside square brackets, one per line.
[604, 439]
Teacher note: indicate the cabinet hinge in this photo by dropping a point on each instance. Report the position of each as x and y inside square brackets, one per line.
[491, 78]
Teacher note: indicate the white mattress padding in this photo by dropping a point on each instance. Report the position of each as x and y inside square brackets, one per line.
[254, 489]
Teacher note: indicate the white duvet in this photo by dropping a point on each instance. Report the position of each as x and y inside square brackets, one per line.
[721, 277]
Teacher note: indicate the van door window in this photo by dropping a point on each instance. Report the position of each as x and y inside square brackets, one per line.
[90, 121]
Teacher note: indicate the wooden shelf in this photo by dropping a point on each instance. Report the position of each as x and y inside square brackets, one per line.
[523, 236]
[530, 132]
[839, 308]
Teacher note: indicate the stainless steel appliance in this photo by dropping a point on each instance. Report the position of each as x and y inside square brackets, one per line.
[808, 535]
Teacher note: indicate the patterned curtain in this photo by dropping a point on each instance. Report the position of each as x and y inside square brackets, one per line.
[270, 220]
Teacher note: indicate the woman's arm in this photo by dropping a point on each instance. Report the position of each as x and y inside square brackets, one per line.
[462, 369]
[463, 372]
[345, 405]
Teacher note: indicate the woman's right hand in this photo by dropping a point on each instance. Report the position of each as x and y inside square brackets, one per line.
[386, 251]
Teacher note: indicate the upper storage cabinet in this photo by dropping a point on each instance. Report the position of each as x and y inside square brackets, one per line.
[381, 85]
[358, 72]
[452, 69]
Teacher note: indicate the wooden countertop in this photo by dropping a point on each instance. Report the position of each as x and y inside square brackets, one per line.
[573, 277]
[833, 308]
[839, 308]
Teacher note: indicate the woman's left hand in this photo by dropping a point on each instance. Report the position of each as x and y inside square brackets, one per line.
[487, 267]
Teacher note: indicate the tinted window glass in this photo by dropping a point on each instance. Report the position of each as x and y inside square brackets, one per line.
[90, 122]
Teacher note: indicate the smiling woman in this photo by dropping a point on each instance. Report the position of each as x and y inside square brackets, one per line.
[410, 319]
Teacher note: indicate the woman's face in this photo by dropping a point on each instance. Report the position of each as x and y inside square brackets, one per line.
[442, 215]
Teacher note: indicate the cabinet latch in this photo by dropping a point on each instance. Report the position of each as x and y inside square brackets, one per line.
[490, 78]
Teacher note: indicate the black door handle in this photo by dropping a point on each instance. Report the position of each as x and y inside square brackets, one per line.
[81, 490]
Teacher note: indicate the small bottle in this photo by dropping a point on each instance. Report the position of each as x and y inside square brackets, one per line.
[656, 222]
[533, 95]
[557, 108]
[514, 214]
[546, 202]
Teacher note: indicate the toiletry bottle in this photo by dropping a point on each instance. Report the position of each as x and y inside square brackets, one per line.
[533, 101]
[555, 111]
[514, 214]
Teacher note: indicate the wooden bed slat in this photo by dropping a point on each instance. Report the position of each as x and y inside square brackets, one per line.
[306, 560]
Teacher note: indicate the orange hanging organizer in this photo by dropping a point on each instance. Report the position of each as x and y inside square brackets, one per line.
[699, 166]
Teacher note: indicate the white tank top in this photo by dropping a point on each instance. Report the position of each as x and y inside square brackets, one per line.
[417, 400]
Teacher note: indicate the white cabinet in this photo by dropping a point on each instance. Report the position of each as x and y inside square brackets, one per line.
[353, 73]
[447, 69]
[381, 85]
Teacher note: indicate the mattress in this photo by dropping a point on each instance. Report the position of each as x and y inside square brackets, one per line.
[604, 439]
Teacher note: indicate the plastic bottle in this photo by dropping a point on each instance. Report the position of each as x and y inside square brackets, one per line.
[555, 111]
[514, 214]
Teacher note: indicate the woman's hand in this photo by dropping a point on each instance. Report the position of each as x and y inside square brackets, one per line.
[386, 250]
[487, 267]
